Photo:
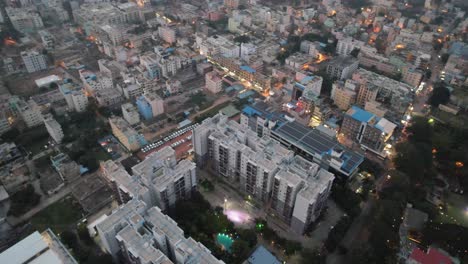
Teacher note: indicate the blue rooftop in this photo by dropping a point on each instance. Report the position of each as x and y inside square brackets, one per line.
[247, 69]
[360, 114]
[262, 256]
[307, 79]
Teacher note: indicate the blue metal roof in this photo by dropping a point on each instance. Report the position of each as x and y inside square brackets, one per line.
[360, 114]
[262, 256]
[247, 69]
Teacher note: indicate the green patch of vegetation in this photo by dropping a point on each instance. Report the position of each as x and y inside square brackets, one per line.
[211, 112]
[346, 199]
[58, 216]
[23, 200]
[82, 246]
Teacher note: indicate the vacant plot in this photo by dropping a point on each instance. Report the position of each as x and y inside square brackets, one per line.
[58, 216]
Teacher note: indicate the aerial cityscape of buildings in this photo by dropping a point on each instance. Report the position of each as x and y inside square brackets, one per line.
[234, 131]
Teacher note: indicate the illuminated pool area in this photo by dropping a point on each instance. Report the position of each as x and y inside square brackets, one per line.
[237, 216]
[225, 241]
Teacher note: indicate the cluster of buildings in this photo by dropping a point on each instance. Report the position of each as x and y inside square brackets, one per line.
[264, 169]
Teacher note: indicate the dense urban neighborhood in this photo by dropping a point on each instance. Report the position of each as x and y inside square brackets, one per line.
[234, 131]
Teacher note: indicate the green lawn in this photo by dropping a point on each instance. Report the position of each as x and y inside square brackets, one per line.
[456, 211]
[58, 216]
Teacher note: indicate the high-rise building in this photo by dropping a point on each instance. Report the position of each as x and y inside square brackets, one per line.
[135, 234]
[54, 128]
[34, 61]
[257, 166]
[371, 131]
[167, 180]
[128, 136]
[213, 82]
[25, 20]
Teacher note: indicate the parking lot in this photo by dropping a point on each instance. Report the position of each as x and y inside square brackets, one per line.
[180, 141]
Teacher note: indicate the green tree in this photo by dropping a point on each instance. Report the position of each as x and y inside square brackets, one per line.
[240, 249]
[249, 236]
[440, 95]
[313, 256]
[69, 238]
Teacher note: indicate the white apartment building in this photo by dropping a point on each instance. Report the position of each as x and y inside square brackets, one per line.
[262, 168]
[167, 34]
[74, 96]
[54, 128]
[130, 114]
[34, 61]
[125, 186]
[170, 65]
[30, 113]
[213, 82]
[148, 236]
[300, 191]
[346, 45]
[167, 180]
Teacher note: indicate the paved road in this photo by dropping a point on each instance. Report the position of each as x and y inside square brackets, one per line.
[47, 201]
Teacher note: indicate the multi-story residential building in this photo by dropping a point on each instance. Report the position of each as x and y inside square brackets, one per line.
[258, 165]
[128, 136]
[130, 89]
[34, 61]
[38, 248]
[130, 114]
[150, 105]
[219, 46]
[299, 192]
[24, 20]
[371, 131]
[30, 113]
[307, 86]
[213, 82]
[309, 143]
[54, 128]
[167, 180]
[342, 67]
[411, 76]
[367, 93]
[344, 94]
[74, 96]
[90, 16]
[151, 65]
[168, 34]
[399, 94]
[135, 234]
[346, 45]
[124, 186]
[256, 79]
[48, 40]
[108, 97]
